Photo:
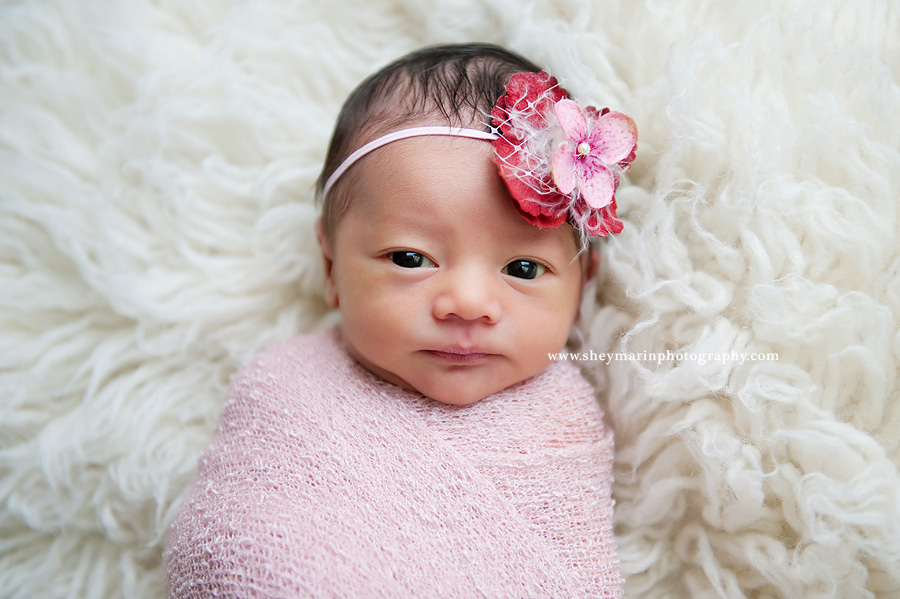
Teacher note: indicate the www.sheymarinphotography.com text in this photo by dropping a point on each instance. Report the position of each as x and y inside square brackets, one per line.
[668, 356]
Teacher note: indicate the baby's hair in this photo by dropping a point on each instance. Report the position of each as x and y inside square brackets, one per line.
[458, 83]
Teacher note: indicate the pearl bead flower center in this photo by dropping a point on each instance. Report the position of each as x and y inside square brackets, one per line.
[583, 149]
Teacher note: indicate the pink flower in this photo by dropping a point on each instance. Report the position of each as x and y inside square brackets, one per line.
[594, 154]
[555, 181]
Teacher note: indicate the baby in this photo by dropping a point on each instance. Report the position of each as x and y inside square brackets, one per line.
[428, 447]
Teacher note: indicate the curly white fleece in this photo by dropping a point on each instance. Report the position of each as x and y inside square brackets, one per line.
[156, 171]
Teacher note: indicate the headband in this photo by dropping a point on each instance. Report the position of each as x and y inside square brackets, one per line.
[397, 135]
[560, 162]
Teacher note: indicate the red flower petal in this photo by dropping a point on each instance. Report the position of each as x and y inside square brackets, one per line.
[543, 221]
[536, 199]
[528, 95]
[604, 221]
[523, 109]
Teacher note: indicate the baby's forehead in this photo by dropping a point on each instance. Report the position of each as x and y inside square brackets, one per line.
[421, 164]
[386, 161]
[445, 186]
[428, 164]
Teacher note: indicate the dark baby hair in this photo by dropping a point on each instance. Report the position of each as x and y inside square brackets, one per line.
[457, 83]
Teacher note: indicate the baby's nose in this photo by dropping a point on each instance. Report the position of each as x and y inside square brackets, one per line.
[469, 294]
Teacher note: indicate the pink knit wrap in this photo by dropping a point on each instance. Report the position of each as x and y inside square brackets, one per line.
[325, 481]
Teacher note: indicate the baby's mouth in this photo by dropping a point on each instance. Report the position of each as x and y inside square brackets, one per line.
[456, 355]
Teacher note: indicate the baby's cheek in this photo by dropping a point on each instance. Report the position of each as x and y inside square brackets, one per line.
[378, 320]
[553, 335]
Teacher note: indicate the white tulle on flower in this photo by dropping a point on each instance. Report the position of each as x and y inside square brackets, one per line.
[561, 162]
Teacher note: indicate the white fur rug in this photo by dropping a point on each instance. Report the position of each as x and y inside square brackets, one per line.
[156, 170]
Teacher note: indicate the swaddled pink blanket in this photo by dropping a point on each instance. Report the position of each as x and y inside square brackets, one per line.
[324, 481]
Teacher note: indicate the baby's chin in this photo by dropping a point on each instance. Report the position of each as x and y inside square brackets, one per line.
[459, 399]
[446, 393]
[460, 390]
[453, 391]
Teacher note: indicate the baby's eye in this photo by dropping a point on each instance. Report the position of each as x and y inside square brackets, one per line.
[524, 269]
[410, 259]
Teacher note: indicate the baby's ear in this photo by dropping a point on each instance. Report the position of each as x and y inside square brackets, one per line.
[331, 296]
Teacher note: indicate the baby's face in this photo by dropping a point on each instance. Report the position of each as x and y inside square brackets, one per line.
[442, 286]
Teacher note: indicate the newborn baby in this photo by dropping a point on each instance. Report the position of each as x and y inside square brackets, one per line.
[428, 446]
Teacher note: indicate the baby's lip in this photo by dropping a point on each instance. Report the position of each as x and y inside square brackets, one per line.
[459, 355]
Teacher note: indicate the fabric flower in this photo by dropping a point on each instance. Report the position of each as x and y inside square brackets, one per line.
[561, 162]
[528, 100]
[520, 116]
[587, 159]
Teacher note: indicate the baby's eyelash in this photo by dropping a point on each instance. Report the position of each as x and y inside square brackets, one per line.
[525, 269]
[410, 259]
[520, 268]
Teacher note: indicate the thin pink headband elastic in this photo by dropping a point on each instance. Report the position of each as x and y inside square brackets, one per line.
[402, 134]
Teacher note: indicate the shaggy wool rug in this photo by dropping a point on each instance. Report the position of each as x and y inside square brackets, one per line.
[157, 160]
